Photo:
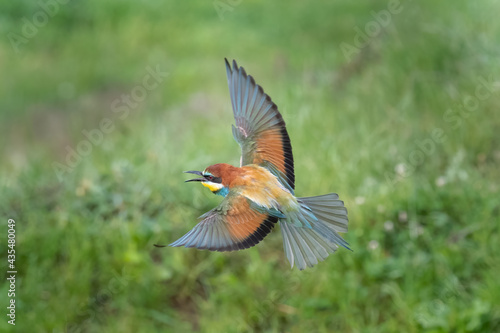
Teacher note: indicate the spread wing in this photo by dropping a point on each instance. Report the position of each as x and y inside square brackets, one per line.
[260, 129]
[233, 225]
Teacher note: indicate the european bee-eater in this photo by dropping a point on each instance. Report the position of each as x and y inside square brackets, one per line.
[260, 192]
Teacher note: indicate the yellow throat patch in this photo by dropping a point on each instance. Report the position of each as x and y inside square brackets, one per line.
[212, 186]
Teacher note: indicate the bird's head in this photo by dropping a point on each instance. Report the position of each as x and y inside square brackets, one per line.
[214, 177]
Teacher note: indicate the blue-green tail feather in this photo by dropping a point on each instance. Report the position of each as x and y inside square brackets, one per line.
[311, 234]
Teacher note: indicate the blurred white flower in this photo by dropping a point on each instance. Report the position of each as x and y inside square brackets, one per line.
[403, 216]
[441, 181]
[416, 230]
[400, 169]
[359, 200]
[373, 245]
[380, 209]
[388, 225]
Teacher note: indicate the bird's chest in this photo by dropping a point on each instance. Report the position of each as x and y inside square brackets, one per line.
[265, 190]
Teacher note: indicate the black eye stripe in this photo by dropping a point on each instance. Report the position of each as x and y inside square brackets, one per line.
[213, 179]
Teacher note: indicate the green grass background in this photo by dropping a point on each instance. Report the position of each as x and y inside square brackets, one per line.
[424, 234]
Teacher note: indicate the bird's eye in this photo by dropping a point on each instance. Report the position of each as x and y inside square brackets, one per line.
[210, 177]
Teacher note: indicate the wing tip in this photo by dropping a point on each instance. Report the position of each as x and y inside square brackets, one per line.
[243, 73]
[236, 68]
[228, 70]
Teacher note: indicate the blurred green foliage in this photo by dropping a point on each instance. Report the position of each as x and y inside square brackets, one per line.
[386, 128]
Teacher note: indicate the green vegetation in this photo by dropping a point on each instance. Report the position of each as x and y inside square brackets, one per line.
[387, 129]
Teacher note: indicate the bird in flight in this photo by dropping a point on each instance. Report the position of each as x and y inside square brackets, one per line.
[260, 192]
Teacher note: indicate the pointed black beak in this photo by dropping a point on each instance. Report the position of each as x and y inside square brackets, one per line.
[196, 179]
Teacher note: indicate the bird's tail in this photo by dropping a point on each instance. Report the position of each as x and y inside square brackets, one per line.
[311, 233]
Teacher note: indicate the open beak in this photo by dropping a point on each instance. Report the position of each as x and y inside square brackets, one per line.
[196, 179]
